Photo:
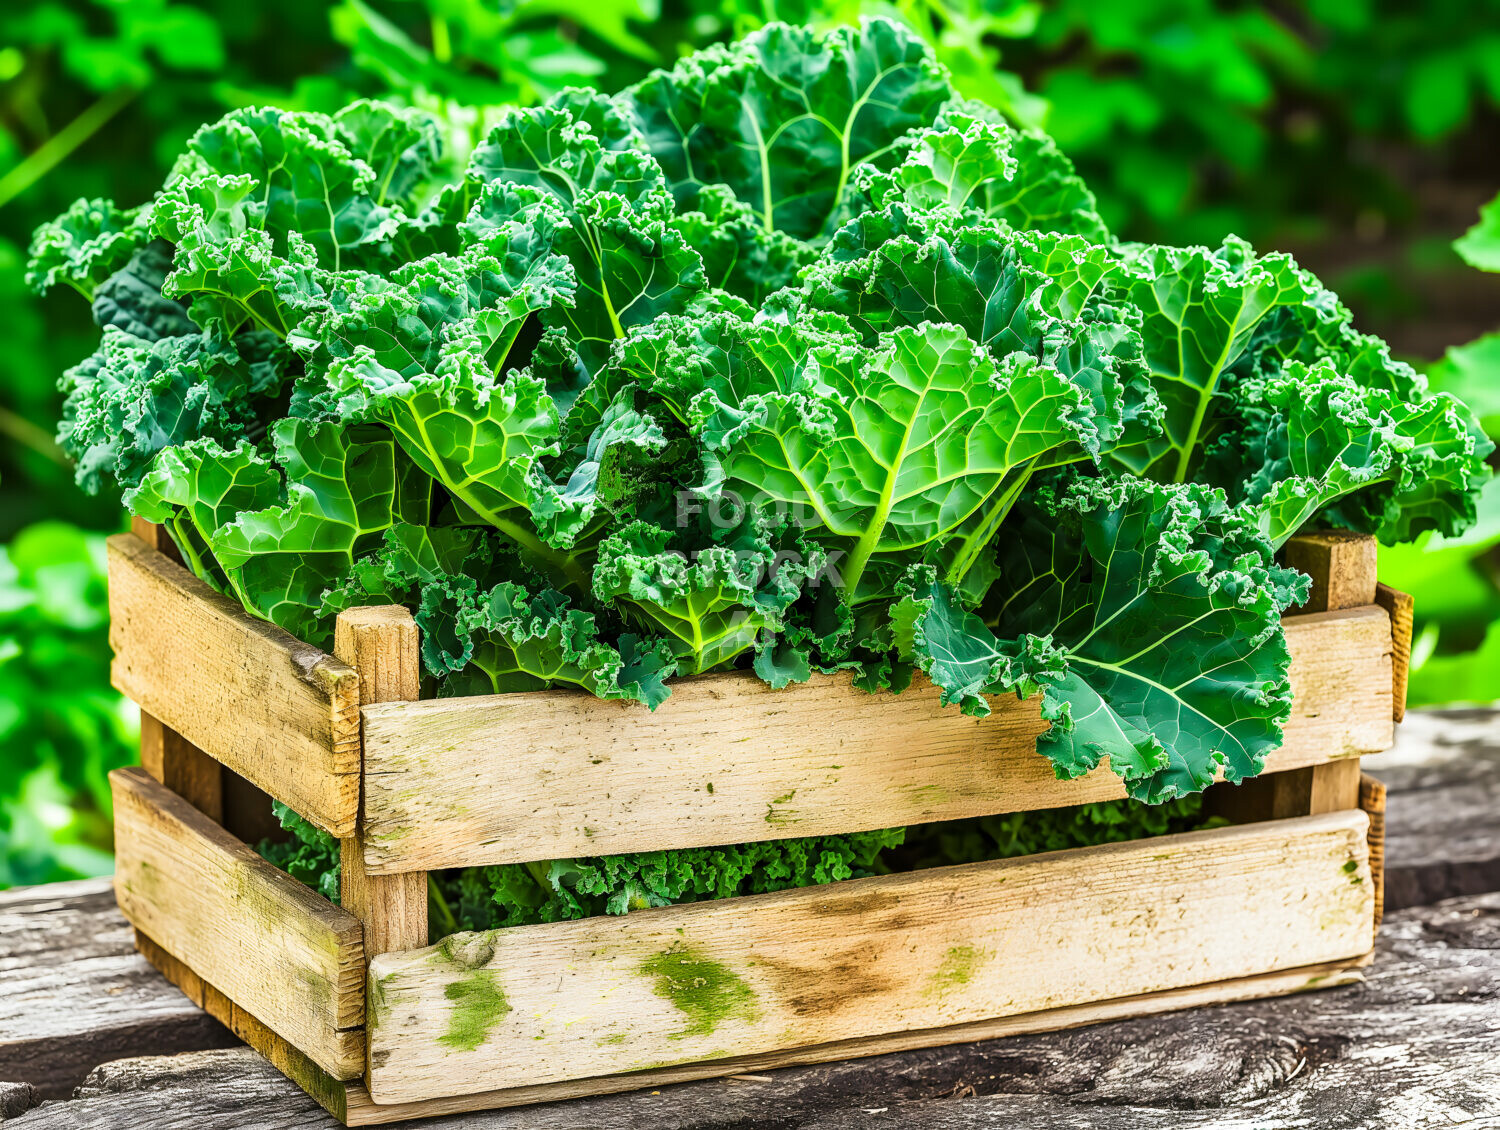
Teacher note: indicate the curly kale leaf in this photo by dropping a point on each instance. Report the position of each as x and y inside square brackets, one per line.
[85, 245]
[605, 210]
[134, 398]
[1149, 619]
[303, 179]
[1313, 440]
[715, 597]
[310, 856]
[784, 118]
[1013, 292]
[342, 493]
[131, 299]
[1014, 834]
[880, 454]
[970, 162]
[740, 254]
[1201, 310]
[524, 893]
[509, 639]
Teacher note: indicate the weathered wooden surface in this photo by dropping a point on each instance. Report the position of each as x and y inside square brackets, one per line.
[1372, 797]
[276, 711]
[1442, 806]
[1410, 1047]
[1402, 610]
[897, 953]
[74, 993]
[360, 1109]
[382, 645]
[507, 778]
[293, 961]
[1341, 564]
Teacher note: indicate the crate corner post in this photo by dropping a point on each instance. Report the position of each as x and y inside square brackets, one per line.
[381, 643]
[1341, 565]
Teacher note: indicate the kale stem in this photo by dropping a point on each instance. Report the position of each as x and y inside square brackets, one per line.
[15, 426]
[440, 904]
[566, 566]
[60, 145]
[442, 42]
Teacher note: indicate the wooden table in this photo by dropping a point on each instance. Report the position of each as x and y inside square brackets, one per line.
[91, 1038]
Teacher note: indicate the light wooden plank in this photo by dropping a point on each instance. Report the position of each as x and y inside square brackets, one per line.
[362, 1110]
[166, 754]
[1334, 787]
[1402, 610]
[278, 712]
[1341, 564]
[287, 956]
[897, 953]
[382, 646]
[508, 778]
[328, 1091]
[182, 767]
[1372, 800]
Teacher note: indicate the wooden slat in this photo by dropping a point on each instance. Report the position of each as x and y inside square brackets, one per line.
[1333, 787]
[280, 713]
[301, 1070]
[184, 768]
[1372, 800]
[166, 754]
[1341, 565]
[506, 778]
[1402, 610]
[382, 645]
[897, 953]
[287, 956]
[361, 1110]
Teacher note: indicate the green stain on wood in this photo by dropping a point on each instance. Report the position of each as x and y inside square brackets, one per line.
[478, 1005]
[704, 991]
[957, 969]
[776, 817]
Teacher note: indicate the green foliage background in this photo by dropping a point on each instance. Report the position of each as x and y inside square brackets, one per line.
[1360, 134]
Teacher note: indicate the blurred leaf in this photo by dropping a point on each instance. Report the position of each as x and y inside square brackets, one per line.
[1437, 99]
[1473, 677]
[1472, 373]
[63, 726]
[1450, 579]
[1480, 245]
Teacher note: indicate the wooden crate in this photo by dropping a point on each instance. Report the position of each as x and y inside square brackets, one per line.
[354, 1005]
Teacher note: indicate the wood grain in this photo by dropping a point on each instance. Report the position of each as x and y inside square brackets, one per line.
[1341, 564]
[73, 991]
[381, 644]
[182, 767]
[1402, 610]
[1442, 827]
[955, 945]
[166, 754]
[329, 1092]
[362, 1110]
[1372, 793]
[280, 713]
[287, 956]
[509, 778]
[1411, 1045]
